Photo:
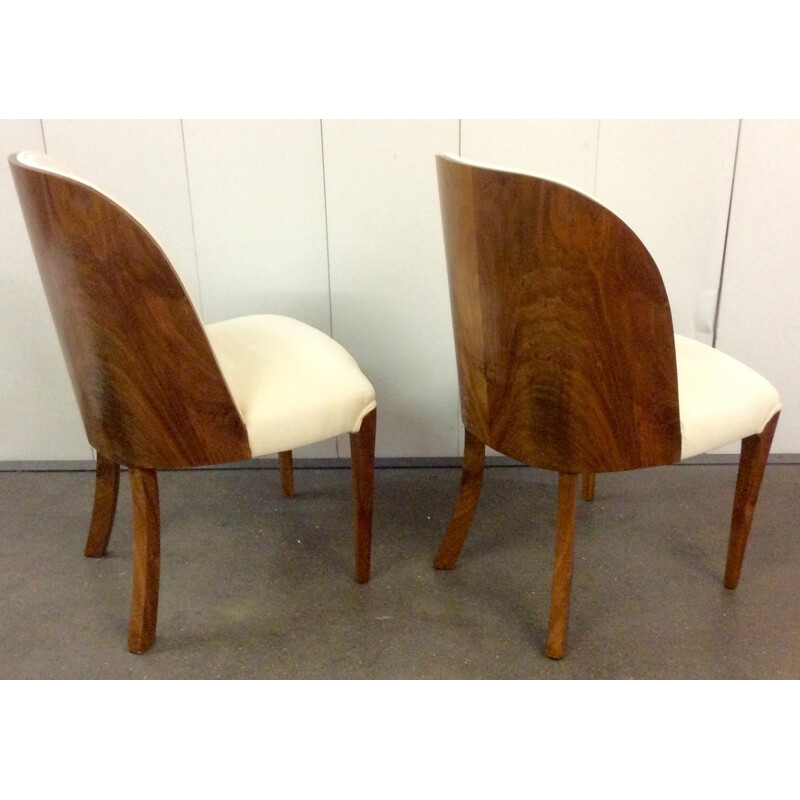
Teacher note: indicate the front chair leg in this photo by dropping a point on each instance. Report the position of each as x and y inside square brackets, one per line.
[287, 475]
[467, 502]
[752, 461]
[362, 455]
[106, 489]
[146, 559]
[562, 570]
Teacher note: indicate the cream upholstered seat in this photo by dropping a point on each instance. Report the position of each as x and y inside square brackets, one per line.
[157, 389]
[292, 384]
[721, 400]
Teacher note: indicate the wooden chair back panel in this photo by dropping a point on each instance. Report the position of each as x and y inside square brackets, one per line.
[564, 340]
[148, 386]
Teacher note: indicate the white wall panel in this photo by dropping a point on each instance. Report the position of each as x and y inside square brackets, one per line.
[389, 296]
[258, 203]
[241, 208]
[564, 150]
[670, 180]
[39, 418]
[141, 163]
[759, 319]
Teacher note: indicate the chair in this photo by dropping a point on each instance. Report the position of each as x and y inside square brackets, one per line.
[158, 390]
[567, 359]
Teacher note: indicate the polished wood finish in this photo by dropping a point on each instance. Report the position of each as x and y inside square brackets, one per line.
[106, 491]
[362, 455]
[562, 569]
[587, 485]
[752, 461]
[287, 472]
[467, 502]
[146, 559]
[564, 340]
[146, 380]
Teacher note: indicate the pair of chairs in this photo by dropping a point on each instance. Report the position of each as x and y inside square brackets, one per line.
[566, 361]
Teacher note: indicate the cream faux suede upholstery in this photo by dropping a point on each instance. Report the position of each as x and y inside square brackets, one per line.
[721, 400]
[293, 385]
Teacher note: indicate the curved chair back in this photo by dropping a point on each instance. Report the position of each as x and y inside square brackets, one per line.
[148, 386]
[564, 340]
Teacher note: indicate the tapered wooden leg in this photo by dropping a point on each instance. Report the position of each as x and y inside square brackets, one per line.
[106, 489]
[562, 570]
[752, 461]
[287, 474]
[466, 503]
[362, 454]
[146, 559]
[587, 484]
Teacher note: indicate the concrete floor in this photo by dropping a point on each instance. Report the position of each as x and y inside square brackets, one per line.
[257, 586]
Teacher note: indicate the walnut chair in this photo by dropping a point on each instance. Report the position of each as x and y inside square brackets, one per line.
[159, 390]
[567, 359]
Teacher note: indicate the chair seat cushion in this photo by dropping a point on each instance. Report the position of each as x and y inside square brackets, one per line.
[293, 385]
[721, 400]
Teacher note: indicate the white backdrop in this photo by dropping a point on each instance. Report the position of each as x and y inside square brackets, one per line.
[336, 223]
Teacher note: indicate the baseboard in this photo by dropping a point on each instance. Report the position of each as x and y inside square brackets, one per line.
[380, 463]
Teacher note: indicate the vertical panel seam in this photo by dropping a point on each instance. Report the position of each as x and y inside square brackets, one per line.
[327, 238]
[327, 245]
[596, 158]
[191, 220]
[44, 140]
[727, 230]
[458, 388]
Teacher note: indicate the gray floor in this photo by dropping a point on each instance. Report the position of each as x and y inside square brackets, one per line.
[257, 586]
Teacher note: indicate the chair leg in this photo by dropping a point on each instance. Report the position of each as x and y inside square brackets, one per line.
[362, 454]
[562, 570]
[467, 502]
[106, 490]
[752, 462]
[146, 559]
[287, 474]
[587, 483]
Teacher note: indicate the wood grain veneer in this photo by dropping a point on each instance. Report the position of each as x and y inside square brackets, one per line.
[564, 341]
[146, 559]
[467, 502]
[106, 491]
[752, 461]
[287, 472]
[148, 386]
[362, 455]
[562, 567]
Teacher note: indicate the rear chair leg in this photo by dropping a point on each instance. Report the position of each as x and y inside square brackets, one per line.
[146, 559]
[467, 502]
[587, 483]
[362, 455]
[752, 461]
[287, 475]
[562, 570]
[106, 489]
